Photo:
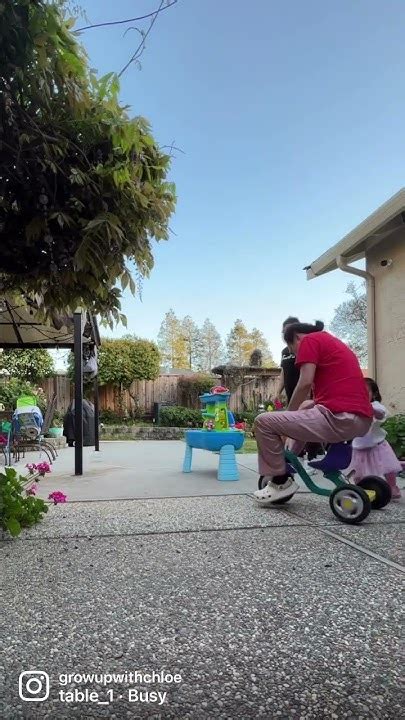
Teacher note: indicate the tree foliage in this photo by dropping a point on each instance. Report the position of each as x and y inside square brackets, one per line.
[12, 389]
[83, 187]
[172, 343]
[128, 359]
[123, 360]
[241, 343]
[192, 338]
[350, 321]
[211, 346]
[30, 365]
[185, 345]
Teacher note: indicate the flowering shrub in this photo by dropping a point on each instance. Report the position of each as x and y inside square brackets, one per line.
[19, 507]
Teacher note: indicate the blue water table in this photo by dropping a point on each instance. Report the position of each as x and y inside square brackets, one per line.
[218, 434]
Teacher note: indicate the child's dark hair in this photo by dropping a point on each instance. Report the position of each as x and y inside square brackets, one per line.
[301, 329]
[290, 321]
[375, 390]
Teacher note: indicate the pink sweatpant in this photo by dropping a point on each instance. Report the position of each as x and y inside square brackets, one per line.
[316, 424]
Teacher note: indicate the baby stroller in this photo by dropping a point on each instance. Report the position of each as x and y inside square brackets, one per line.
[27, 425]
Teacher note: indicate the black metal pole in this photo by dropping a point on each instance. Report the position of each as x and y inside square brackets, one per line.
[78, 352]
[96, 417]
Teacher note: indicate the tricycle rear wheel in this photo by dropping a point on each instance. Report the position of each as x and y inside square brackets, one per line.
[380, 487]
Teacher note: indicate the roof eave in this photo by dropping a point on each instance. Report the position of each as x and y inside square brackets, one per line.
[348, 247]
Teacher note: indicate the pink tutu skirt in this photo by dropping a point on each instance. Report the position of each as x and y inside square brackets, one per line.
[379, 460]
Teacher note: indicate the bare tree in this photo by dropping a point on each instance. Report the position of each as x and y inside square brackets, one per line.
[350, 321]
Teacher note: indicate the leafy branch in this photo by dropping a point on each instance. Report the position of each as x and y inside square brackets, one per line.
[83, 186]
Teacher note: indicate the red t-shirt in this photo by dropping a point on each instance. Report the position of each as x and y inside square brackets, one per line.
[338, 383]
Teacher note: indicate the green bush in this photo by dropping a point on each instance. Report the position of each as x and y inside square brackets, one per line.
[10, 391]
[123, 360]
[109, 417]
[395, 429]
[177, 416]
[190, 387]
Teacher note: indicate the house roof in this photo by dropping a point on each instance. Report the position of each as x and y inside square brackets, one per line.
[21, 327]
[378, 226]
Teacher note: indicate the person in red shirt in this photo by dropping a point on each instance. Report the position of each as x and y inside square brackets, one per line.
[340, 409]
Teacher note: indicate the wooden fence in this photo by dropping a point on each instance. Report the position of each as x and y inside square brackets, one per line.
[144, 393]
[60, 386]
[254, 391]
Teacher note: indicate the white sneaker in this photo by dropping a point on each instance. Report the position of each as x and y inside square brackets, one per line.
[273, 493]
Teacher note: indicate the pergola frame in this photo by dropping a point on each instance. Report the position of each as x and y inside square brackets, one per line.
[21, 329]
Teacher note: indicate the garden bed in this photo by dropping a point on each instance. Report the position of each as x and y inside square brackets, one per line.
[141, 432]
[156, 432]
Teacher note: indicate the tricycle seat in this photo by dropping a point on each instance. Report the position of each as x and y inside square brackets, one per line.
[338, 457]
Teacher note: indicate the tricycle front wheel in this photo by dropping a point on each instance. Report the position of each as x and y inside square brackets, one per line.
[350, 504]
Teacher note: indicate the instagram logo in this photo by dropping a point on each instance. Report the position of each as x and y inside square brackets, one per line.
[33, 686]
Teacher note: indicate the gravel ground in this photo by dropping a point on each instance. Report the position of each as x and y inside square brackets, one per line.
[275, 622]
[118, 517]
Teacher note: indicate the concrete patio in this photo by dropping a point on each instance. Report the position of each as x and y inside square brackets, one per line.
[282, 613]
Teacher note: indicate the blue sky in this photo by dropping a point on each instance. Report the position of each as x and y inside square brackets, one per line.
[291, 119]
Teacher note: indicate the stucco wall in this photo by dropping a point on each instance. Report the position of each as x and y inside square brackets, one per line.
[390, 319]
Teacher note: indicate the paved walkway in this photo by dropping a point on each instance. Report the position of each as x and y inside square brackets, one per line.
[145, 469]
[282, 613]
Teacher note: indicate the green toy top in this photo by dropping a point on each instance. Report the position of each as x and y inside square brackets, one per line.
[215, 411]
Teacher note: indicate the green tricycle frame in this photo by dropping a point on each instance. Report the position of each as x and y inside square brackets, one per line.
[350, 502]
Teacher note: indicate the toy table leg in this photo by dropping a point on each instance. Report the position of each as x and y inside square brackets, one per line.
[227, 468]
[187, 459]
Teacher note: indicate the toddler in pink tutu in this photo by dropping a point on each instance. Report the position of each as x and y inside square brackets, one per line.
[372, 454]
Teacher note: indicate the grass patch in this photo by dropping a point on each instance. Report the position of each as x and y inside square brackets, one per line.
[249, 446]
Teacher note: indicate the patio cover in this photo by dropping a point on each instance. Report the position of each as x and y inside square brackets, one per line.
[22, 328]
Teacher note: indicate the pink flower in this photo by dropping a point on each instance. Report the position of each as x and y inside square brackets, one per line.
[31, 467]
[31, 490]
[57, 496]
[43, 468]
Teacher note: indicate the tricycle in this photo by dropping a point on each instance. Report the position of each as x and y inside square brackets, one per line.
[350, 502]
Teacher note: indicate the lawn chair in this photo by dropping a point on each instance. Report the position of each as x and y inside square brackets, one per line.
[49, 415]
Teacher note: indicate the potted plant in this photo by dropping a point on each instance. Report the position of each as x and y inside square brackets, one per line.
[57, 426]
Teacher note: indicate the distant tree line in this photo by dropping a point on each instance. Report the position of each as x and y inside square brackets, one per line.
[185, 345]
